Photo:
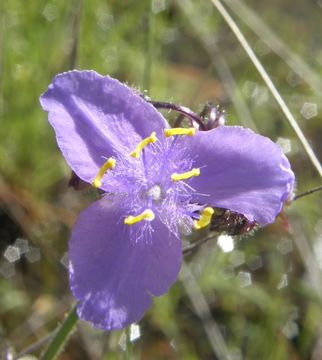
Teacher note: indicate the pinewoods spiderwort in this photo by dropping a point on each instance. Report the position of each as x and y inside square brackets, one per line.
[158, 183]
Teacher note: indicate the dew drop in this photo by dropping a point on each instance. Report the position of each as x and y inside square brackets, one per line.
[169, 35]
[226, 243]
[7, 270]
[104, 20]
[291, 329]
[33, 254]
[122, 341]
[283, 282]
[65, 260]
[158, 6]
[285, 246]
[309, 110]
[244, 278]
[285, 145]
[135, 332]
[237, 258]
[22, 245]
[12, 254]
[294, 79]
[50, 12]
[255, 262]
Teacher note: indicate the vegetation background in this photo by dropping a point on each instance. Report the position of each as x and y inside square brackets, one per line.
[256, 297]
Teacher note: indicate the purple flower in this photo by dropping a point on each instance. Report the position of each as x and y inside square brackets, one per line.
[159, 183]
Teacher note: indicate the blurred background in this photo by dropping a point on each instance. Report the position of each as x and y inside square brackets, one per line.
[251, 297]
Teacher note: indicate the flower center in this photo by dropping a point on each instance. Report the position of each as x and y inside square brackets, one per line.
[155, 172]
[155, 192]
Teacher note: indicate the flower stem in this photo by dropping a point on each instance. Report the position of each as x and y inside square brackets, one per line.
[181, 110]
[62, 335]
[308, 192]
[196, 245]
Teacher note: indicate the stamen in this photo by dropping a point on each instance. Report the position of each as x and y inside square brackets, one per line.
[109, 164]
[179, 131]
[186, 175]
[205, 218]
[142, 144]
[146, 215]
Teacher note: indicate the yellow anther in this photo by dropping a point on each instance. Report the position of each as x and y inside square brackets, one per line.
[179, 131]
[151, 139]
[186, 175]
[205, 218]
[146, 215]
[109, 164]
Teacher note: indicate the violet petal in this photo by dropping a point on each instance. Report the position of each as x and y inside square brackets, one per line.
[241, 171]
[113, 272]
[94, 115]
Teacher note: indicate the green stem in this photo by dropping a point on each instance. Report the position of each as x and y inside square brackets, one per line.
[62, 335]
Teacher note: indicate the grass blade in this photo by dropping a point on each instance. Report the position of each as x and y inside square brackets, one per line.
[295, 62]
[258, 65]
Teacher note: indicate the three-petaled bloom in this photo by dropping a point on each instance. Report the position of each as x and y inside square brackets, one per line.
[158, 183]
